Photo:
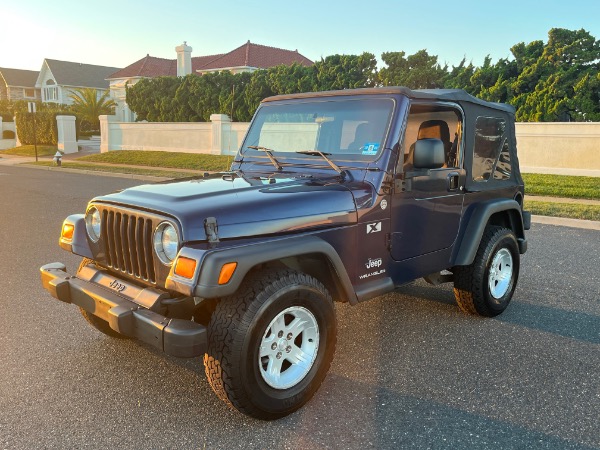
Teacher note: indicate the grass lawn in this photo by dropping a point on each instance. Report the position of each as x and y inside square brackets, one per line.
[569, 210]
[29, 150]
[194, 161]
[562, 186]
[127, 170]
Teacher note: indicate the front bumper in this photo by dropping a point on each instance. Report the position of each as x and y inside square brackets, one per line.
[176, 337]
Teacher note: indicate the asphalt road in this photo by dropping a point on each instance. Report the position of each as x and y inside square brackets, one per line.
[410, 370]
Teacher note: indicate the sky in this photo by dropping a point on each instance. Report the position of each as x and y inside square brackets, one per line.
[118, 33]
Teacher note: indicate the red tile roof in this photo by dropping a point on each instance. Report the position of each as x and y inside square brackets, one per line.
[148, 66]
[254, 55]
[247, 55]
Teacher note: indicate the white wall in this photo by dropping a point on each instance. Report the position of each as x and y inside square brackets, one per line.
[220, 136]
[573, 145]
[170, 137]
[569, 145]
[7, 143]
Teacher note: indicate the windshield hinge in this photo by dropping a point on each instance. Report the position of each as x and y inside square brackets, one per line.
[212, 230]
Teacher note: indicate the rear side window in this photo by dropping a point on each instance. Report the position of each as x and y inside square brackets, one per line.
[491, 156]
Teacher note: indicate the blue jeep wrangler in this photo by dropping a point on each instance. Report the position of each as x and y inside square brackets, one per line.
[333, 196]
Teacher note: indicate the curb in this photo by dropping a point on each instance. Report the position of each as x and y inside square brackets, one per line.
[131, 176]
[564, 222]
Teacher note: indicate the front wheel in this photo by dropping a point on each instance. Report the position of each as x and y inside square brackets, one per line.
[271, 345]
[486, 286]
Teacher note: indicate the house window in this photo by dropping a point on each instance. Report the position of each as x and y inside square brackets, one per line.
[50, 91]
[29, 93]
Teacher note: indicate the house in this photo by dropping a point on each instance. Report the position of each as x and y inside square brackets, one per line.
[58, 79]
[246, 58]
[17, 84]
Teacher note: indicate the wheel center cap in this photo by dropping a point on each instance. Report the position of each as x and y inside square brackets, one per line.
[282, 344]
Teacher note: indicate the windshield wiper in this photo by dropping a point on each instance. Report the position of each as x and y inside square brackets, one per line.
[269, 154]
[324, 156]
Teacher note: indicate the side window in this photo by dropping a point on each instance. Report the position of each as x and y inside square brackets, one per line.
[437, 122]
[491, 156]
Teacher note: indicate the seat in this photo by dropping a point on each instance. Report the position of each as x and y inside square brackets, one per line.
[431, 129]
[362, 136]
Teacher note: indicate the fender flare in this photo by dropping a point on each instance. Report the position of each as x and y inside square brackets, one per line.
[472, 231]
[79, 245]
[250, 256]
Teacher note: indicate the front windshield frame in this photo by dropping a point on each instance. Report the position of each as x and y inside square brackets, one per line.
[343, 122]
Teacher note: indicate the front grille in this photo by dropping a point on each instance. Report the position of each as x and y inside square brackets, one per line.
[128, 244]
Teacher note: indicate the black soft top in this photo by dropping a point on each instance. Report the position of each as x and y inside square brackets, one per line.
[453, 95]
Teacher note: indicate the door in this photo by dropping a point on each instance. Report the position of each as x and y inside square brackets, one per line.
[426, 218]
[426, 209]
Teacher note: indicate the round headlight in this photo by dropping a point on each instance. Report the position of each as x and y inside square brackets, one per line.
[166, 243]
[92, 223]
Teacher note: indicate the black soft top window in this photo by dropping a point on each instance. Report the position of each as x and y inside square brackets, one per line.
[491, 156]
[490, 152]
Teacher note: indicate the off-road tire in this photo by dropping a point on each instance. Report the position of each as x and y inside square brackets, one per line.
[98, 323]
[237, 328]
[472, 283]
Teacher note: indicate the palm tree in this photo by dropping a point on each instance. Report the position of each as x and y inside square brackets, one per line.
[88, 106]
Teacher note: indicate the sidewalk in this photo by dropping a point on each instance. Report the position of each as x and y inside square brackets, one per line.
[166, 169]
[11, 160]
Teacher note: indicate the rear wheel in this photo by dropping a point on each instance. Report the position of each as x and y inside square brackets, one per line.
[486, 286]
[98, 323]
[271, 345]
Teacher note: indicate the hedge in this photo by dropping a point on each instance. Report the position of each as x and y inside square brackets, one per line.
[45, 127]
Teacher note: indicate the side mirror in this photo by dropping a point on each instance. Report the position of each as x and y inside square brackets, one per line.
[429, 154]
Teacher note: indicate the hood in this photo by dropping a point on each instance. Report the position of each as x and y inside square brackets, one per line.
[248, 205]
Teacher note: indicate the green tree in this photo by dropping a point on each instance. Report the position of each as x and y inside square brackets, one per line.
[285, 79]
[418, 71]
[258, 88]
[152, 98]
[7, 110]
[545, 82]
[343, 72]
[585, 104]
[460, 76]
[87, 105]
[559, 81]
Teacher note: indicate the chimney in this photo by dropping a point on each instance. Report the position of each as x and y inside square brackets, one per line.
[184, 59]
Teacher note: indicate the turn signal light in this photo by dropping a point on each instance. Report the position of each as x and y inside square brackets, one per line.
[67, 231]
[227, 272]
[185, 267]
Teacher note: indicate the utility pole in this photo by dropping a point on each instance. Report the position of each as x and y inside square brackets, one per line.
[31, 108]
[232, 100]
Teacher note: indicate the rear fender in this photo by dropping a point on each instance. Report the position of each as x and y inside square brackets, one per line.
[506, 213]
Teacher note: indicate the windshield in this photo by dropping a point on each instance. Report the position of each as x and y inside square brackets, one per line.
[345, 129]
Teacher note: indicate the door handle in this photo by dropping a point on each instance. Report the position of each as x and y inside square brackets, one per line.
[453, 181]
